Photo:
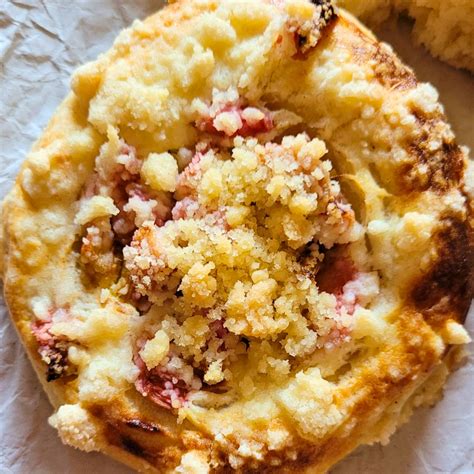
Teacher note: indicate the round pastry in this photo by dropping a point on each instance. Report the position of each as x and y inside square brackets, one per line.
[244, 242]
[446, 28]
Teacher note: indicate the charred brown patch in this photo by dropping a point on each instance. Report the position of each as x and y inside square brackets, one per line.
[438, 169]
[453, 169]
[143, 426]
[132, 447]
[127, 443]
[307, 39]
[449, 286]
[56, 358]
[388, 69]
[119, 433]
[146, 438]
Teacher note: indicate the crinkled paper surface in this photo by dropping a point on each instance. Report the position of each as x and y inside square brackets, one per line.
[41, 43]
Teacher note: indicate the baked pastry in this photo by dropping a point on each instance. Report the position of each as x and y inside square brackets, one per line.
[243, 242]
[446, 28]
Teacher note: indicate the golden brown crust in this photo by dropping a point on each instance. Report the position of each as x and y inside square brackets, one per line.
[149, 439]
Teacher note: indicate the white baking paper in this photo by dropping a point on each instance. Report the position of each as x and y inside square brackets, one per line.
[41, 43]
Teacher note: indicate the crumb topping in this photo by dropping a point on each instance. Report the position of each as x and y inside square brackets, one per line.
[228, 116]
[225, 275]
[219, 248]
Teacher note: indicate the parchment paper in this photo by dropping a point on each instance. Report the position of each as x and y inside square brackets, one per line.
[41, 42]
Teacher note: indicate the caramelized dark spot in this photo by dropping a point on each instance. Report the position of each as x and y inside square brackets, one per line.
[327, 10]
[449, 286]
[453, 165]
[116, 437]
[306, 41]
[300, 40]
[388, 69]
[390, 72]
[56, 358]
[438, 169]
[132, 446]
[143, 426]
